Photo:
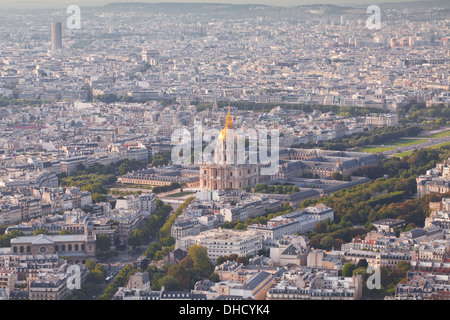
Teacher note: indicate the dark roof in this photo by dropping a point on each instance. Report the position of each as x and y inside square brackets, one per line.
[254, 282]
[290, 250]
[415, 233]
[179, 254]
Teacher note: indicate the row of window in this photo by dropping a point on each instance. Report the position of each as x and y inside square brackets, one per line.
[76, 247]
[231, 173]
[230, 184]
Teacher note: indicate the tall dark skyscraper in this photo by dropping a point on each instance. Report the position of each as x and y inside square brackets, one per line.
[56, 35]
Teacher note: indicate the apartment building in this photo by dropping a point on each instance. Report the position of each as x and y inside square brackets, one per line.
[223, 242]
[306, 285]
[382, 119]
[300, 221]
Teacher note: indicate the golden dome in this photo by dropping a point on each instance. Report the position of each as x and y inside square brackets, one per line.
[228, 125]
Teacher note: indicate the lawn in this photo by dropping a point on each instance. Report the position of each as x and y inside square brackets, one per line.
[405, 142]
[440, 145]
[180, 194]
[374, 149]
[392, 144]
[439, 135]
[401, 155]
[408, 153]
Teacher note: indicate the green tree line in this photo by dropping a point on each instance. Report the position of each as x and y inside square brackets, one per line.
[361, 139]
[388, 196]
[194, 267]
[165, 229]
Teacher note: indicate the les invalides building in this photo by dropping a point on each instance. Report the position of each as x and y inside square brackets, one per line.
[231, 174]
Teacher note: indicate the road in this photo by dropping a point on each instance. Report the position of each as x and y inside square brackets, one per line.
[429, 143]
[113, 265]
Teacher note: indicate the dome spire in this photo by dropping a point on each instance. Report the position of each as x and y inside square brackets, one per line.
[229, 122]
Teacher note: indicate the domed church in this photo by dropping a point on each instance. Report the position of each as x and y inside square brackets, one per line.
[229, 173]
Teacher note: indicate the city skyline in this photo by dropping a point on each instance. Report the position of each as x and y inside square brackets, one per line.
[200, 151]
[97, 3]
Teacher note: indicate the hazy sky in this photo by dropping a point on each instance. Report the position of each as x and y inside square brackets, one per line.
[65, 3]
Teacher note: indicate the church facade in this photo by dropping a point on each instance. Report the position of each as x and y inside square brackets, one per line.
[75, 248]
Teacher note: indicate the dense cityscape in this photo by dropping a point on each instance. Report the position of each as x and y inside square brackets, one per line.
[201, 151]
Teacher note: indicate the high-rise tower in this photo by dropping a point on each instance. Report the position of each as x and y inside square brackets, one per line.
[56, 30]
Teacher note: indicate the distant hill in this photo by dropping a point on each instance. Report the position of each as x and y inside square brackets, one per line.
[417, 4]
[181, 7]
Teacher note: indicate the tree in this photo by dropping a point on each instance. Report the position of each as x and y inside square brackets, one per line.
[404, 266]
[199, 255]
[320, 227]
[362, 263]
[410, 226]
[90, 264]
[347, 270]
[326, 242]
[180, 274]
[337, 176]
[124, 168]
[39, 231]
[96, 276]
[361, 271]
[97, 197]
[220, 260]
[152, 249]
[242, 260]
[136, 239]
[170, 283]
[240, 226]
[101, 269]
[103, 242]
[346, 177]
[260, 188]
[337, 243]
[187, 263]
[64, 232]
[168, 241]
[233, 257]
[214, 277]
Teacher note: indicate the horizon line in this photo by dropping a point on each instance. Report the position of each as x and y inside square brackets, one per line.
[52, 4]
